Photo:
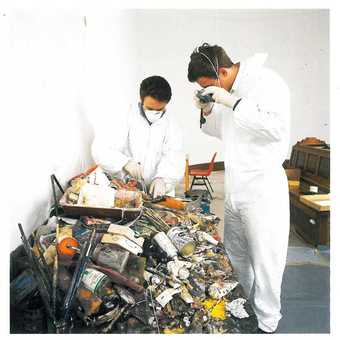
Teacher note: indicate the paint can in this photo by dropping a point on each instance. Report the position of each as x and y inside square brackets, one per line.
[182, 241]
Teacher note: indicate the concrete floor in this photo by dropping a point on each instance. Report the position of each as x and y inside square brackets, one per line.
[305, 286]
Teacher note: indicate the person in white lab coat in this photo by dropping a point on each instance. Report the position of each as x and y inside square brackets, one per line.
[146, 143]
[250, 114]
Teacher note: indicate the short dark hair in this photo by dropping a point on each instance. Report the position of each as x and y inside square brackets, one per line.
[156, 87]
[200, 66]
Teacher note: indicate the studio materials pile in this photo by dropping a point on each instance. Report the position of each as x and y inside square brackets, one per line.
[146, 266]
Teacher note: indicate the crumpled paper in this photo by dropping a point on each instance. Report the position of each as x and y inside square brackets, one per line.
[236, 308]
[167, 296]
[175, 267]
[218, 290]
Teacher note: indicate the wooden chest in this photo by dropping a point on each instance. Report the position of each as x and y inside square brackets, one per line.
[311, 221]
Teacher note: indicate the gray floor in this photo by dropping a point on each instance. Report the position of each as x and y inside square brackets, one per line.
[305, 286]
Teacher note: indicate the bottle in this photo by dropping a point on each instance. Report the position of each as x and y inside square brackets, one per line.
[97, 282]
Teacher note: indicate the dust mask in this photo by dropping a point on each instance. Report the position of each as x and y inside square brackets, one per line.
[152, 115]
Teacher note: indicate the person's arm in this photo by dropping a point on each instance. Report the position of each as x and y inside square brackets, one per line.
[172, 164]
[266, 111]
[214, 122]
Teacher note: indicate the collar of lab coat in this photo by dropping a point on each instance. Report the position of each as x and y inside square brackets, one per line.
[248, 69]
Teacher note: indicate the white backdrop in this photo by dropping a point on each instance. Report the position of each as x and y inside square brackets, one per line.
[297, 43]
[74, 72]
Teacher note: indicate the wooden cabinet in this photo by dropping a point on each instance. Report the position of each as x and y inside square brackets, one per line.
[311, 224]
[314, 162]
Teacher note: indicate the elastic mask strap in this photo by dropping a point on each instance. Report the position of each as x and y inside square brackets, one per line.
[143, 113]
[213, 66]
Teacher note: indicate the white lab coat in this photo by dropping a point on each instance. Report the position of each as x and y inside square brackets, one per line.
[158, 147]
[256, 139]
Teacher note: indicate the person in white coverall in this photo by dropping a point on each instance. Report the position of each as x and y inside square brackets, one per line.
[250, 114]
[146, 143]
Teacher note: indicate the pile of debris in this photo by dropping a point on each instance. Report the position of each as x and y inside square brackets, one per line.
[165, 271]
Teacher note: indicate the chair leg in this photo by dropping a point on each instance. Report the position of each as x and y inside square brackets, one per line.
[210, 184]
[192, 183]
[205, 183]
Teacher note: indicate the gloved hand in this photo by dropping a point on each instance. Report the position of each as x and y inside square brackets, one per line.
[134, 169]
[157, 187]
[205, 107]
[221, 96]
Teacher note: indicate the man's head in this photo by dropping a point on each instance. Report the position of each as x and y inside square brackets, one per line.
[211, 66]
[155, 93]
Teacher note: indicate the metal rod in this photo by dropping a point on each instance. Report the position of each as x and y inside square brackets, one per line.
[73, 248]
[42, 259]
[78, 273]
[58, 184]
[55, 275]
[154, 311]
[55, 197]
[43, 286]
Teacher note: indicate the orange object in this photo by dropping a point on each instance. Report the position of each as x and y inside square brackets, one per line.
[88, 301]
[217, 237]
[196, 171]
[65, 244]
[202, 174]
[173, 203]
[86, 173]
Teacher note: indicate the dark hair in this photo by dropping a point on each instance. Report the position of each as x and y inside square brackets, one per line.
[200, 66]
[156, 87]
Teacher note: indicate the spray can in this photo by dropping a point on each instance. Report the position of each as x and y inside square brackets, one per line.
[165, 244]
[203, 236]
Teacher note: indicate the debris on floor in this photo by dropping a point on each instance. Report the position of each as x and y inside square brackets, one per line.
[161, 269]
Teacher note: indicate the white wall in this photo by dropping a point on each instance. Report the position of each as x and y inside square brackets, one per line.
[51, 131]
[297, 42]
[68, 78]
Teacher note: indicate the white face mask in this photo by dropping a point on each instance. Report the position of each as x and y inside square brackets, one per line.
[152, 115]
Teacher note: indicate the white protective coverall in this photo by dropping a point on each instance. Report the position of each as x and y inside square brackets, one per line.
[256, 139]
[158, 147]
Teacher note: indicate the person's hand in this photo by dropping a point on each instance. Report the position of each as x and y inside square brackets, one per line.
[157, 187]
[205, 107]
[221, 96]
[134, 169]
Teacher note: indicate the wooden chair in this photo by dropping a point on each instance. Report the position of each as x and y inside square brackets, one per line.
[201, 176]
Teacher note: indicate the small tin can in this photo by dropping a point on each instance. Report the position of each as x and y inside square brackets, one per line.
[182, 241]
[96, 282]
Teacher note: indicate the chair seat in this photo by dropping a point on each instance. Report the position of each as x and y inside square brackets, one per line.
[199, 172]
